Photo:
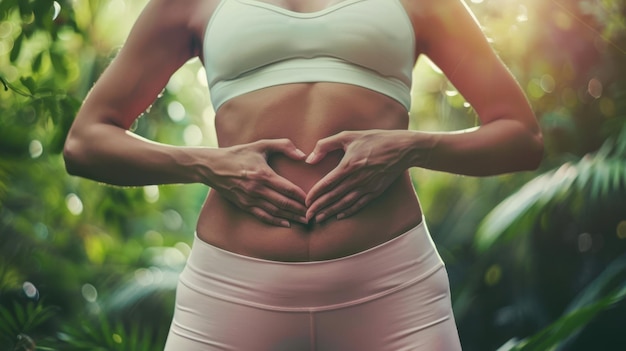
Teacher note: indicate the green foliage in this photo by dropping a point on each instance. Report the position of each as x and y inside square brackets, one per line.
[102, 335]
[17, 321]
[603, 293]
[584, 185]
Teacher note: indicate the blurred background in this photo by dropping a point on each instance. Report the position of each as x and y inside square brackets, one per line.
[537, 260]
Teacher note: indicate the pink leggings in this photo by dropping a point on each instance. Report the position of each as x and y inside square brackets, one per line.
[392, 297]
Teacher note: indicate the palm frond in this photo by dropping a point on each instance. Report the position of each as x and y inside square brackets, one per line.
[594, 178]
[605, 291]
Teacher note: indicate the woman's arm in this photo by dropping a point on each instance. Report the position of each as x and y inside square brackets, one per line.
[508, 139]
[100, 147]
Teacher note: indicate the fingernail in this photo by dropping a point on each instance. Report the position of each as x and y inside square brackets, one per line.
[310, 158]
[303, 220]
[285, 224]
[300, 153]
[320, 217]
[341, 216]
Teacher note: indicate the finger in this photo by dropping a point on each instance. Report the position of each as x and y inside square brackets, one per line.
[267, 218]
[358, 205]
[284, 186]
[286, 147]
[251, 194]
[277, 212]
[326, 184]
[282, 206]
[324, 146]
[329, 198]
[340, 206]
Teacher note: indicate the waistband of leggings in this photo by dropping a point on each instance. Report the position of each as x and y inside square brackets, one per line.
[317, 285]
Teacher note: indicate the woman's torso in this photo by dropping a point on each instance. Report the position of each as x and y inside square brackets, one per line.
[306, 113]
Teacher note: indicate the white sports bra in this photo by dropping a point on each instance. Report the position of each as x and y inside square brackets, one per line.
[251, 44]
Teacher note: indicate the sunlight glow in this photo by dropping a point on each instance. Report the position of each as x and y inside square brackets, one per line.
[523, 14]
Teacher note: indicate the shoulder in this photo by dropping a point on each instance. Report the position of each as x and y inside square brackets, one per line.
[168, 13]
[439, 20]
[428, 9]
[182, 19]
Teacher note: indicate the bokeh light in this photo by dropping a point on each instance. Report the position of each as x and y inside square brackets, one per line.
[89, 292]
[35, 148]
[151, 193]
[176, 111]
[30, 290]
[74, 204]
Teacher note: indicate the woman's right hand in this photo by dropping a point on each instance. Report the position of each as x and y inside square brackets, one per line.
[243, 176]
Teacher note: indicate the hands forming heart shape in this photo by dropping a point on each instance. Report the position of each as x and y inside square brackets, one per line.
[372, 160]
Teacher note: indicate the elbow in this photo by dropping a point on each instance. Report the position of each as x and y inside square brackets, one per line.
[73, 155]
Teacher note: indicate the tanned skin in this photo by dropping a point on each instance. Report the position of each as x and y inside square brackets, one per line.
[333, 179]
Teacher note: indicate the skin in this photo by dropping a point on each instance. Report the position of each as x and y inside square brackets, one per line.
[333, 180]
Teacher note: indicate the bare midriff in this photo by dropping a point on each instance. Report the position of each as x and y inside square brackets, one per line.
[306, 113]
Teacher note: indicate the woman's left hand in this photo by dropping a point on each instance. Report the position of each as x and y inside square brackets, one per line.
[372, 160]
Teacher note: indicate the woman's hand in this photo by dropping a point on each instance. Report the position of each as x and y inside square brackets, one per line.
[243, 176]
[372, 160]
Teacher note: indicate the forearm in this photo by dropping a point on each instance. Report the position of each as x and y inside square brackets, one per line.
[112, 155]
[498, 147]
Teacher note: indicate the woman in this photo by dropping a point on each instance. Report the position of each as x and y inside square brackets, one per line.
[313, 238]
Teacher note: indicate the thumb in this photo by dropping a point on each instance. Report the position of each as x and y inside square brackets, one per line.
[323, 147]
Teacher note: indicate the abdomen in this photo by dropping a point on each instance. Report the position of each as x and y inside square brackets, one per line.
[306, 113]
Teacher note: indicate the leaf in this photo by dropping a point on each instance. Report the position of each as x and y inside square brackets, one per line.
[8, 321]
[570, 324]
[531, 198]
[43, 10]
[58, 62]
[5, 7]
[43, 314]
[29, 83]
[613, 276]
[25, 9]
[63, 113]
[36, 65]
[593, 178]
[17, 48]
[20, 315]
